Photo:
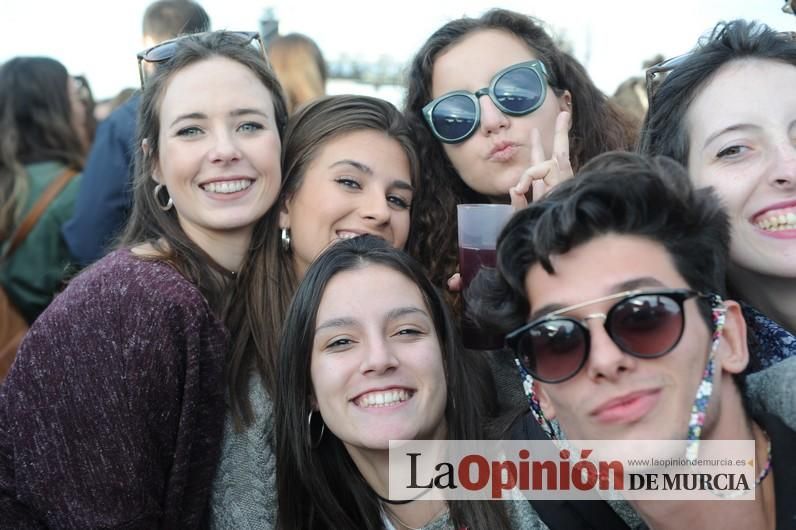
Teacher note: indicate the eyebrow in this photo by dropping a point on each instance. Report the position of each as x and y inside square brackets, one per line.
[364, 168]
[731, 128]
[627, 285]
[393, 314]
[233, 113]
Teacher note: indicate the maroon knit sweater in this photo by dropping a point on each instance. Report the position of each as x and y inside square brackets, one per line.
[112, 414]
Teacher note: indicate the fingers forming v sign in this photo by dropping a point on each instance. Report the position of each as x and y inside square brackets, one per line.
[544, 174]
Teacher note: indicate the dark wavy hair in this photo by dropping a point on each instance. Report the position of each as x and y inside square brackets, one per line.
[615, 193]
[37, 126]
[597, 126]
[307, 133]
[322, 487]
[664, 131]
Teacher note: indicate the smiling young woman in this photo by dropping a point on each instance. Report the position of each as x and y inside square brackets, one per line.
[112, 414]
[722, 111]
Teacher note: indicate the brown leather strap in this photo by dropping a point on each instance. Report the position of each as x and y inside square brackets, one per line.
[50, 193]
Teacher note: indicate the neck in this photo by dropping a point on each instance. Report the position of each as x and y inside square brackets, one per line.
[732, 424]
[774, 296]
[228, 249]
[374, 467]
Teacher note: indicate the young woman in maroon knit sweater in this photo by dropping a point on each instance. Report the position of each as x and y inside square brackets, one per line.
[112, 414]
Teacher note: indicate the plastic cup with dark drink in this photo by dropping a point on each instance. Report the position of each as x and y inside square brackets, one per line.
[479, 227]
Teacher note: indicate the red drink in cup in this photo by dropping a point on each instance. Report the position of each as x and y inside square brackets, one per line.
[479, 226]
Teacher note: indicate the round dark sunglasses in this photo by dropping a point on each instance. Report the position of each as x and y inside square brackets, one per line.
[645, 324]
[163, 51]
[517, 90]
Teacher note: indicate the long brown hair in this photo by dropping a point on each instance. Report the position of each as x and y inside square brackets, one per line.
[307, 132]
[37, 126]
[597, 126]
[234, 302]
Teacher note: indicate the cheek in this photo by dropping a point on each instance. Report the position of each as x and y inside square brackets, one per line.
[401, 223]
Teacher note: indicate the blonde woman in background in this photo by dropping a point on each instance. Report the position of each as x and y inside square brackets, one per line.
[300, 67]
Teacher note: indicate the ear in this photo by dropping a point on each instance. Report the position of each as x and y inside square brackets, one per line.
[733, 353]
[565, 102]
[284, 214]
[544, 400]
[147, 150]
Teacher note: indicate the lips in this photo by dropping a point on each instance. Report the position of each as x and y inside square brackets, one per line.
[226, 185]
[627, 408]
[383, 398]
[776, 219]
[502, 151]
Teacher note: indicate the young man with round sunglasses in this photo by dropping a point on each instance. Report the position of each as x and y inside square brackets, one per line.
[613, 286]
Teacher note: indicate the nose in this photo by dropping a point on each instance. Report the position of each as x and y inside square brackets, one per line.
[492, 119]
[606, 360]
[374, 208]
[783, 173]
[224, 148]
[378, 357]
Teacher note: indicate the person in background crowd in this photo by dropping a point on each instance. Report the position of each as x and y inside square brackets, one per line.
[299, 64]
[746, 152]
[105, 198]
[350, 168]
[112, 414]
[43, 142]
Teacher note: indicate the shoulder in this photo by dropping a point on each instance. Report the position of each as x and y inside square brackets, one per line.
[771, 391]
[769, 342]
[129, 292]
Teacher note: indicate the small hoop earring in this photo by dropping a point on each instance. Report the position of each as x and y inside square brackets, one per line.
[314, 444]
[286, 239]
[157, 198]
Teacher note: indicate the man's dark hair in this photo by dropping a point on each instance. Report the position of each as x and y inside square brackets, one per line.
[166, 19]
[615, 193]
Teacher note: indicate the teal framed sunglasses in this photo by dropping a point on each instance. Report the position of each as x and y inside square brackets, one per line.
[517, 90]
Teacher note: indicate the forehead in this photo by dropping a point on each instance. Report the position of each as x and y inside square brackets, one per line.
[750, 91]
[470, 64]
[375, 149]
[603, 265]
[214, 83]
[368, 293]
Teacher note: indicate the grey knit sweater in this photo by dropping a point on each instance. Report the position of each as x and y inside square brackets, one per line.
[112, 414]
[244, 490]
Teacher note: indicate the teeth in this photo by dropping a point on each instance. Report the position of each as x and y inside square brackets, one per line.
[383, 399]
[778, 221]
[228, 186]
[346, 235]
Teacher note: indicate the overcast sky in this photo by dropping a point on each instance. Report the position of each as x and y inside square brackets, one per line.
[99, 38]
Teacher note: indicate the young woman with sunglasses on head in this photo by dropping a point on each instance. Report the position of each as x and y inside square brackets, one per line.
[350, 168]
[725, 111]
[500, 113]
[369, 353]
[112, 415]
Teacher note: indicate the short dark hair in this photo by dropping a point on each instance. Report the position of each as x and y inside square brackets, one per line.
[322, 487]
[166, 19]
[664, 130]
[616, 193]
